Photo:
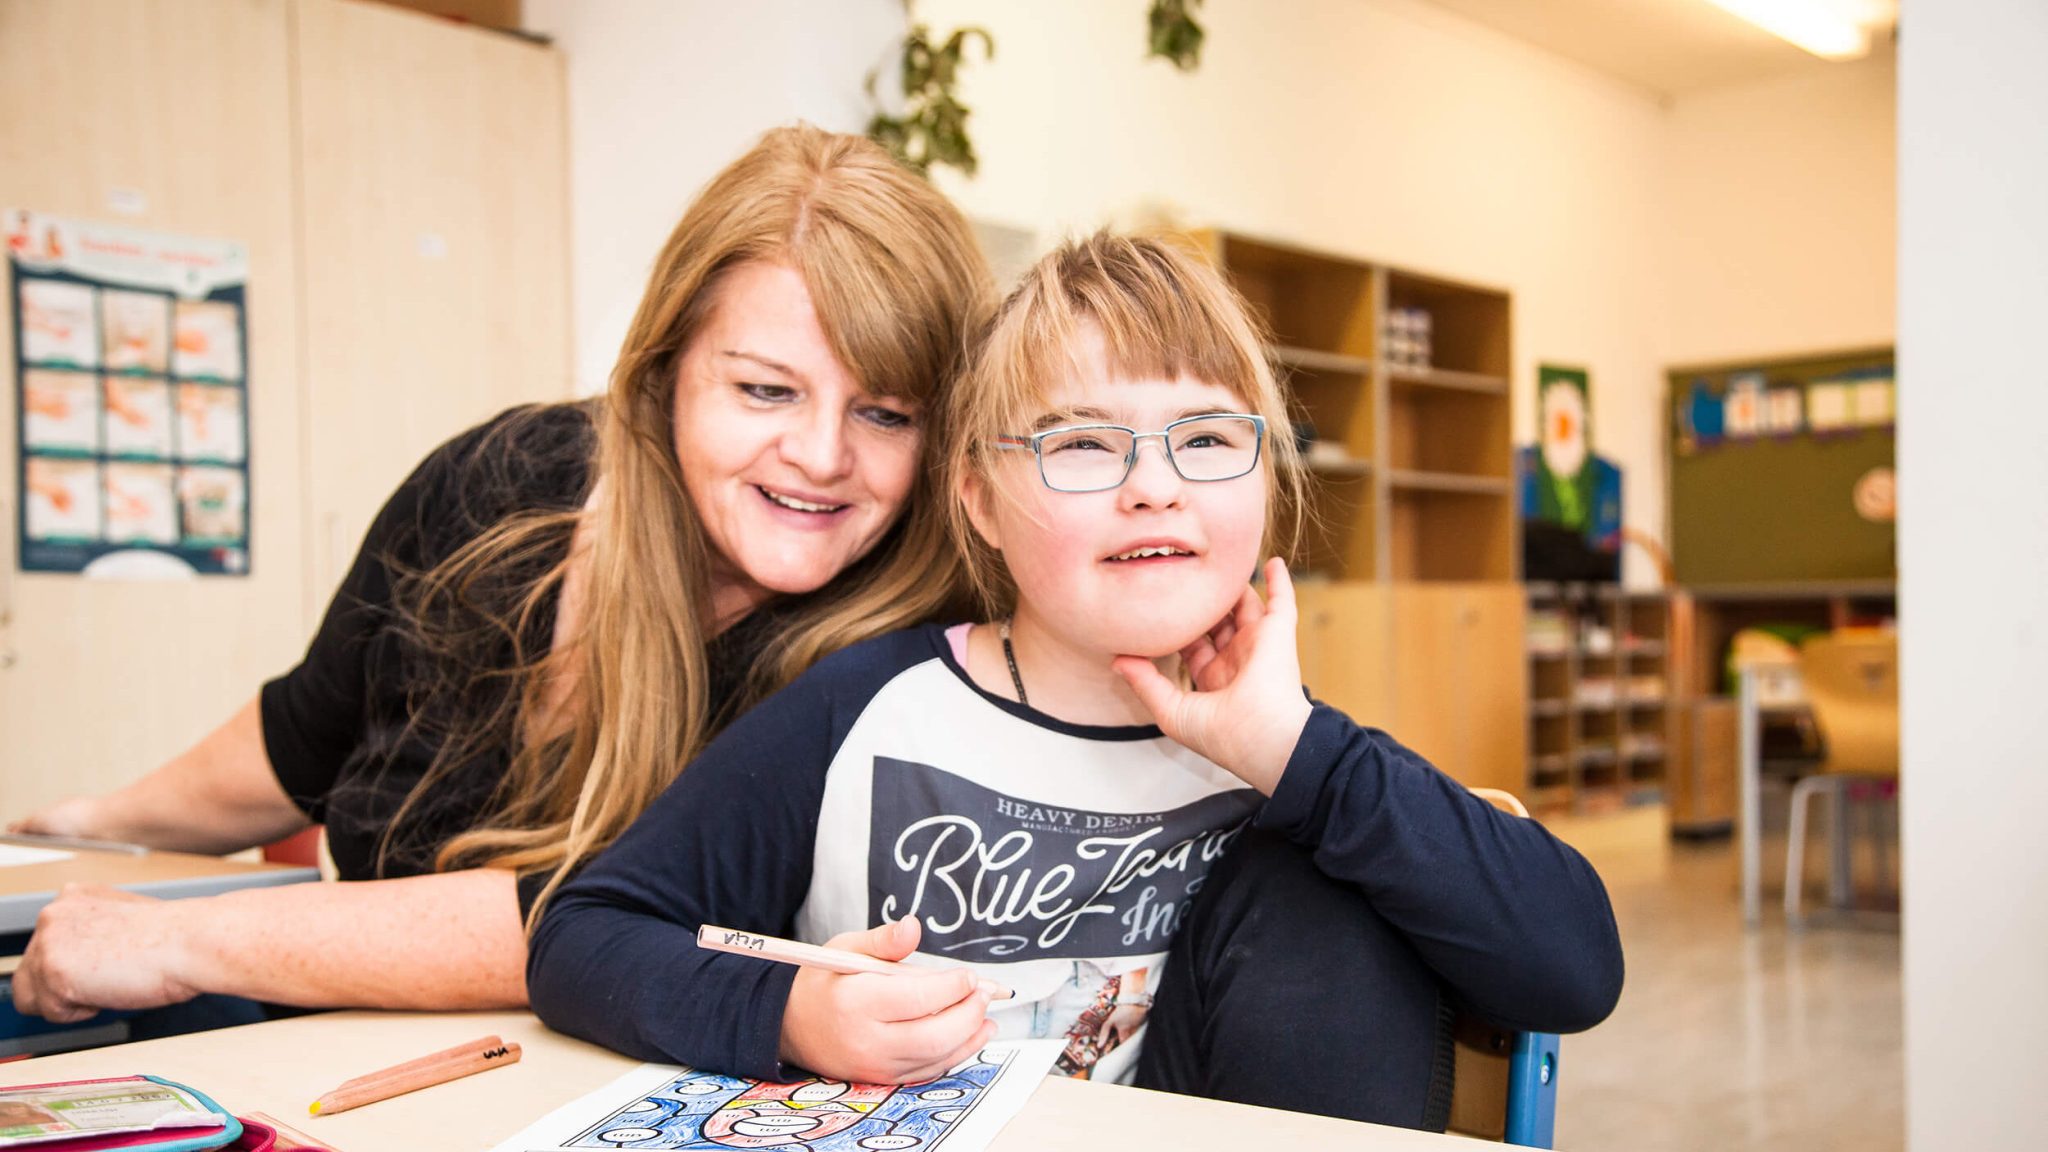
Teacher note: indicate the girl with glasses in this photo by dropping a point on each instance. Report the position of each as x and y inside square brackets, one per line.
[1112, 797]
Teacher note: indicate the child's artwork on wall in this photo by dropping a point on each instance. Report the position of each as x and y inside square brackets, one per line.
[1569, 496]
[665, 1106]
[130, 368]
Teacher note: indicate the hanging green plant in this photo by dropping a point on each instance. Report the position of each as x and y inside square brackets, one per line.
[1174, 33]
[933, 127]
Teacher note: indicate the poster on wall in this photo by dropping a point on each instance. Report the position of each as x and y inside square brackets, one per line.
[132, 391]
[1570, 496]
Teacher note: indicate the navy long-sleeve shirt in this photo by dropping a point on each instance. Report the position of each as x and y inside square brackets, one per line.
[1054, 858]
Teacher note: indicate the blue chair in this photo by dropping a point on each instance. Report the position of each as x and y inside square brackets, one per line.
[1523, 1110]
[1532, 1090]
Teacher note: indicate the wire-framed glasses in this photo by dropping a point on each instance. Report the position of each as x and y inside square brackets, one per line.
[1098, 457]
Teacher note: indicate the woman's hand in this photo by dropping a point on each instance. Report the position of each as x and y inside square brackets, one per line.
[77, 817]
[97, 947]
[1247, 709]
[873, 1029]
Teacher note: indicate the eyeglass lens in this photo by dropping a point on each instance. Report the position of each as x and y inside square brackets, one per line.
[1093, 458]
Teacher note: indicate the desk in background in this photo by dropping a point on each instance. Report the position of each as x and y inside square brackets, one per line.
[26, 888]
[1713, 615]
[281, 1066]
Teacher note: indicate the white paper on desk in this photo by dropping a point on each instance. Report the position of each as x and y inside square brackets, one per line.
[666, 1106]
[15, 855]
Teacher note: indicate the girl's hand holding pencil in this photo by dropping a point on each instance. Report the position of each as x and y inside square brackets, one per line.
[871, 1028]
[1247, 710]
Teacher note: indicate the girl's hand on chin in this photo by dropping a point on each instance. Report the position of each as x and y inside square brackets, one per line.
[1247, 710]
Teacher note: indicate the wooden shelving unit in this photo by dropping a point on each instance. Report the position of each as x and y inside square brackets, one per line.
[1601, 703]
[1412, 466]
[1411, 619]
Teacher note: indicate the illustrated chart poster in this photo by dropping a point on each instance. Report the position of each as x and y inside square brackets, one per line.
[132, 399]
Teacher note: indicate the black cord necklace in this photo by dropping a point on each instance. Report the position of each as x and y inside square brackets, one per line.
[1010, 657]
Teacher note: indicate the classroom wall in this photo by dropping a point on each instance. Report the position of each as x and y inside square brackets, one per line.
[1387, 129]
[664, 93]
[1781, 198]
[1973, 547]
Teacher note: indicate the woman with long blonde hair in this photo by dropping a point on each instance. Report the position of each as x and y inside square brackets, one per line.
[557, 610]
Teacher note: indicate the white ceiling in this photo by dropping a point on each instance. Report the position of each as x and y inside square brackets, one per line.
[1670, 47]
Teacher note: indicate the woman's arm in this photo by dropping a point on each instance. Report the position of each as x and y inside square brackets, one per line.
[447, 942]
[220, 795]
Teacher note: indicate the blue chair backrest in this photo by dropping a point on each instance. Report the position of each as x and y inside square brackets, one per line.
[1532, 1090]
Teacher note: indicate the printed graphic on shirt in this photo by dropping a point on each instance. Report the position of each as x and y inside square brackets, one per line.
[998, 879]
[1115, 1015]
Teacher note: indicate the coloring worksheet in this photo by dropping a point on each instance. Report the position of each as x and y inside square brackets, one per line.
[665, 1106]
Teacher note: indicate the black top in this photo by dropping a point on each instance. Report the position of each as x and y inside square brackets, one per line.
[335, 728]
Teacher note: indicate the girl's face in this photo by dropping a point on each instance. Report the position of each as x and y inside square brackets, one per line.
[1072, 554]
[793, 469]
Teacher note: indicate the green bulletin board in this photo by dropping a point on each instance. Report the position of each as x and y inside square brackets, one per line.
[1782, 471]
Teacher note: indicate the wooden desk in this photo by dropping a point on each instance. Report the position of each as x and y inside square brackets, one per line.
[282, 1066]
[25, 888]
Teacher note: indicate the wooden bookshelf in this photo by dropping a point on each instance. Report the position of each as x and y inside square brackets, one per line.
[1411, 465]
[1411, 619]
[1600, 696]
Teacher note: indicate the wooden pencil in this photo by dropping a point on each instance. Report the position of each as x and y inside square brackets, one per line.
[483, 1043]
[453, 1064]
[816, 956]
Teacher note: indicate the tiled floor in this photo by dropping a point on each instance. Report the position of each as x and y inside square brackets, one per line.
[1726, 1039]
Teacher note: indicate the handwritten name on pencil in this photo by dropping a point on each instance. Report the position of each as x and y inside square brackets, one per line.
[743, 940]
[497, 1052]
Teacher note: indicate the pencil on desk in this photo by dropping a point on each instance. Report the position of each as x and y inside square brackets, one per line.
[439, 1068]
[430, 1060]
[816, 956]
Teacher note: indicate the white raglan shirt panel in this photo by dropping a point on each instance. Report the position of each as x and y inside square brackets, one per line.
[1046, 857]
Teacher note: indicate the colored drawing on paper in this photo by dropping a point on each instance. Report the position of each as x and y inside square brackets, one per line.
[60, 412]
[138, 417]
[658, 1106]
[706, 1111]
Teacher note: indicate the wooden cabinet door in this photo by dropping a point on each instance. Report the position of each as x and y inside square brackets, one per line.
[171, 117]
[435, 212]
[1493, 685]
[1460, 685]
[1427, 706]
[1346, 649]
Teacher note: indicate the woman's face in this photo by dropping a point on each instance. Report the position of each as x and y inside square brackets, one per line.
[793, 469]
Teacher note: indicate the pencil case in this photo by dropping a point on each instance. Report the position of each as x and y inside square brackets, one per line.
[197, 1138]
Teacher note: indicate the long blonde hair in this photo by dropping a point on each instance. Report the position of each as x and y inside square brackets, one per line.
[1149, 310]
[898, 284]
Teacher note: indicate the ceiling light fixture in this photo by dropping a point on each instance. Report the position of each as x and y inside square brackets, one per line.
[1830, 29]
